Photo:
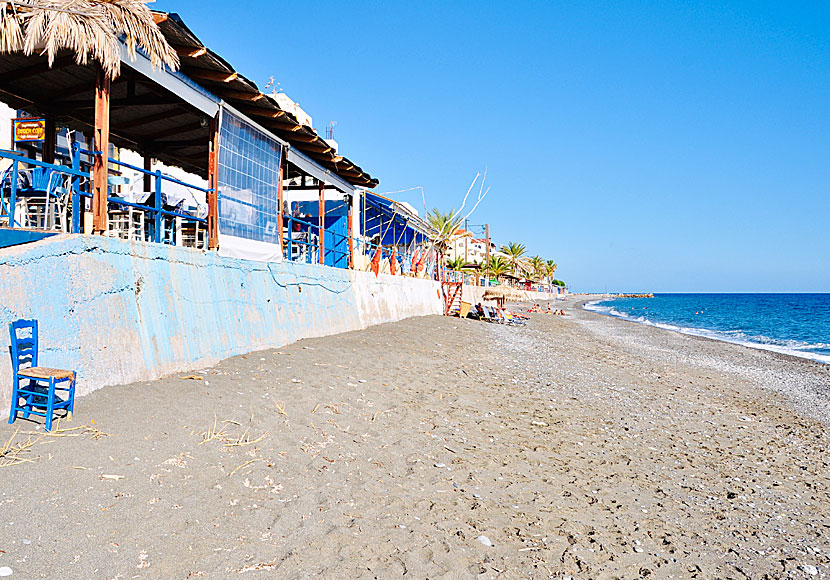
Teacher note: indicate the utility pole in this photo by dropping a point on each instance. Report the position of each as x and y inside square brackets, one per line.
[486, 251]
[466, 231]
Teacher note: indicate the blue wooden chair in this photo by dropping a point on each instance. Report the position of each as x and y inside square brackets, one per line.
[41, 384]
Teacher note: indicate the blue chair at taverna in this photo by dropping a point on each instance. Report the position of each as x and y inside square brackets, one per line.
[41, 385]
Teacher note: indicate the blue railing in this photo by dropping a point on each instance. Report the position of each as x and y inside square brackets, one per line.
[59, 185]
[27, 178]
[67, 188]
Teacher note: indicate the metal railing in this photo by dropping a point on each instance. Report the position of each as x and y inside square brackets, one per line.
[54, 196]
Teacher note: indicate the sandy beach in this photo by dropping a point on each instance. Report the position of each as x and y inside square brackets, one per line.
[576, 447]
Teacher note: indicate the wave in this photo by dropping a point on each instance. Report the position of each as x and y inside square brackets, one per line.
[790, 347]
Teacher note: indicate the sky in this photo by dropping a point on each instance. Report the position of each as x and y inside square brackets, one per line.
[645, 147]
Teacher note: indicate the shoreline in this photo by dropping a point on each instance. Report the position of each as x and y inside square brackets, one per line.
[435, 447]
[689, 331]
[803, 381]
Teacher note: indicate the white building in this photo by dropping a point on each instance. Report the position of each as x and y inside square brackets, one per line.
[473, 250]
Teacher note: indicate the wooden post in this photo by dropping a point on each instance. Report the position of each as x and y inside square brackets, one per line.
[100, 166]
[280, 195]
[213, 184]
[349, 240]
[322, 230]
[486, 253]
[50, 144]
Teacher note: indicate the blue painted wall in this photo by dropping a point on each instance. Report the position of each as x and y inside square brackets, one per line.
[119, 311]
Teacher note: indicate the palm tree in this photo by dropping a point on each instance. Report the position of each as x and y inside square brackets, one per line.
[448, 226]
[514, 252]
[457, 265]
[89, 28]
[537, 264]
[550, 269]
[497, 266]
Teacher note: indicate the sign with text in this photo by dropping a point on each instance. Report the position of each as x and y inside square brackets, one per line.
[28, 130]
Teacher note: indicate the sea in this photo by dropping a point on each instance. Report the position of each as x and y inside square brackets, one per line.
[794, 324]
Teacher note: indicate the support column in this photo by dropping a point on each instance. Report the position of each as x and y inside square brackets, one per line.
[50, 144]
[100, 166]
[321, 204]
[350, 239]
[213, 184]
[283, 160]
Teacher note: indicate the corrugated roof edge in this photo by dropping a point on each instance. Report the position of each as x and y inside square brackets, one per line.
[288, 128]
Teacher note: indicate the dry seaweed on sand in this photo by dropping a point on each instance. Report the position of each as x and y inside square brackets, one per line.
[12, 453]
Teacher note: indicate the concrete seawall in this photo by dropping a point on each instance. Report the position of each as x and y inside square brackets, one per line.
[118, 312]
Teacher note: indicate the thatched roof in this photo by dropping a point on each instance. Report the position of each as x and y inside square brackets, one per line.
[505, 292]
[91, 29]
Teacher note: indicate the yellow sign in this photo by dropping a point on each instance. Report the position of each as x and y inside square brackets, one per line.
[28, 130]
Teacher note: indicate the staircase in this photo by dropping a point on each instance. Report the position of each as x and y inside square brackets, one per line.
[452, 298]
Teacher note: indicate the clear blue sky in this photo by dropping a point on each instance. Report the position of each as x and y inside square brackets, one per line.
[643, 146]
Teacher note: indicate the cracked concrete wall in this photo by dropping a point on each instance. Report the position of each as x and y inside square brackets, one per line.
[119, 312]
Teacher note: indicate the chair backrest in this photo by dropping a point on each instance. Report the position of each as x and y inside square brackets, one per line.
[24, 343]
[42, 178]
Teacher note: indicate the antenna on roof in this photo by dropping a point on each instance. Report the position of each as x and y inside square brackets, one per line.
[273, 85]
[330, 130]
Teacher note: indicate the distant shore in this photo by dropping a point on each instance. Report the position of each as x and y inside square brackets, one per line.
[579, 445]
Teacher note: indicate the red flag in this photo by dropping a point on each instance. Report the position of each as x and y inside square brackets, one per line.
[376, 262]
[421, 261]
[414, 265]
[393, 264]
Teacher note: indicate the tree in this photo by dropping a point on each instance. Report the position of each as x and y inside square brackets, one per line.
[457, 265]
[550, 269]
[497, 266]
[514, 252]
[538, 266]
[447, 225]
[89, 28]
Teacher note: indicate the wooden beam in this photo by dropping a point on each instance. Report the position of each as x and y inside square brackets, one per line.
[147, 119]
[180, 143]
[321, 210]
[210, 75]
[283, 157]
[304, 138]
[36, 69]
[195, 126]
[88, 86]
[241, 95]
[100, 166]
[277, 125]
[349, 232]
[189, 52]
[262, 112]
[213, 196]
[144, 100]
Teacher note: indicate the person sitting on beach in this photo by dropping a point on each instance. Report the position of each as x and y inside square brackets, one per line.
[548, 311]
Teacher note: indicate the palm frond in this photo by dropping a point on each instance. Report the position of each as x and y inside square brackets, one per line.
[89, 28]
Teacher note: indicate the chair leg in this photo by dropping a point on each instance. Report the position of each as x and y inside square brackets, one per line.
[15, 399]
[72, 396]
[50, 404]
[30, 400]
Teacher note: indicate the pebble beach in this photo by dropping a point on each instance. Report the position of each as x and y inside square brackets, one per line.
[577, 446]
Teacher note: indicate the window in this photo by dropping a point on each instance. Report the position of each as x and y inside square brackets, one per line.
[248, 180]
